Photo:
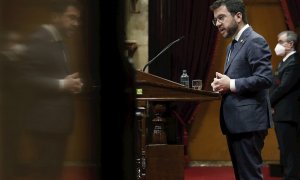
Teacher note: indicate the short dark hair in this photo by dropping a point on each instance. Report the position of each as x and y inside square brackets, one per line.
[233, 6]
[59, 6]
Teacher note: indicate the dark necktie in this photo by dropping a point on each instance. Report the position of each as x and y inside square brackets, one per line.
[230, 50]
[280, 64]
[65, 55]
[63, 48]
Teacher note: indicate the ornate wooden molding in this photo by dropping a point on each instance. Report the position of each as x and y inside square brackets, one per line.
[131, 47]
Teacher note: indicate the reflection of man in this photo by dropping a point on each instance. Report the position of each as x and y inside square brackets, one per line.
[245, 114]
[11, 99]
[285, 99]
[51, 87]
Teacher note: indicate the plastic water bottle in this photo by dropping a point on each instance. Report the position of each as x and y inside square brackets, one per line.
[184, 79]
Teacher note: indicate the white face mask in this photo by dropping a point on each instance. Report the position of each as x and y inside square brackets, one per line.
[279, 50]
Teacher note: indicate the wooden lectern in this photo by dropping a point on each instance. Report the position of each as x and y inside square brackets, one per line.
[158, 160]
[155, 88]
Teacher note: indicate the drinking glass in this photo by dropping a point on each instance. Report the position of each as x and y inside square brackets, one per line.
[197, 84]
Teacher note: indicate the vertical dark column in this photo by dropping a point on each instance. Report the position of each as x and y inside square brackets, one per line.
[117, 95]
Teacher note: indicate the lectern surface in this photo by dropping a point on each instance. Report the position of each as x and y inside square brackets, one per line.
[155, 88]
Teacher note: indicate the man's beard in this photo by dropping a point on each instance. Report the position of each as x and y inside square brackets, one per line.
[232, 29]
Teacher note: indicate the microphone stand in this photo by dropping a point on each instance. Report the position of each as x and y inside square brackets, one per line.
[167, 47]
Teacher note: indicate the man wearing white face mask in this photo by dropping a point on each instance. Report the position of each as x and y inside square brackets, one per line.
[285, 101]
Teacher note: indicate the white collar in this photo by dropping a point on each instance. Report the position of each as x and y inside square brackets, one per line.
[288, 55]
[53, 31]
[238, 35]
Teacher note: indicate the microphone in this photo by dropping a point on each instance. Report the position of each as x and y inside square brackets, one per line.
[167, 47]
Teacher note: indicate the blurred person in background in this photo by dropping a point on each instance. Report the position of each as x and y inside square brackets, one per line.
[11, 103]
[285, 101]
[51, 87]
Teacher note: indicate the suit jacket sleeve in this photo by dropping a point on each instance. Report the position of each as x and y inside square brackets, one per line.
[259, 56]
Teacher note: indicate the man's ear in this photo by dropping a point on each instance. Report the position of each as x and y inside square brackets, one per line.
[239, 16]
[292, 44]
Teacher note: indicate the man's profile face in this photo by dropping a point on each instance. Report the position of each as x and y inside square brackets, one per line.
[225, 22]
[283, 40]
[69, 21]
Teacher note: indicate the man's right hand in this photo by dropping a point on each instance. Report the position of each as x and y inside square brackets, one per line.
[73, 83]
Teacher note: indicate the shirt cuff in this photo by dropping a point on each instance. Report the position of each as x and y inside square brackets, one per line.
[232, 85]
[61, 83]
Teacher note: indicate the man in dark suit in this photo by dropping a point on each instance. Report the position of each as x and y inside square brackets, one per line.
[245, 113]
[51, 87]
[285, 101]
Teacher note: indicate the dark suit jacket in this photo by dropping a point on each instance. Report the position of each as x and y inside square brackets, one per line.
[49, 108]
[248, 109]
[285, 93]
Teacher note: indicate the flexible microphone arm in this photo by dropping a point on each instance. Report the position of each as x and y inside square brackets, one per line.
[167, 47]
